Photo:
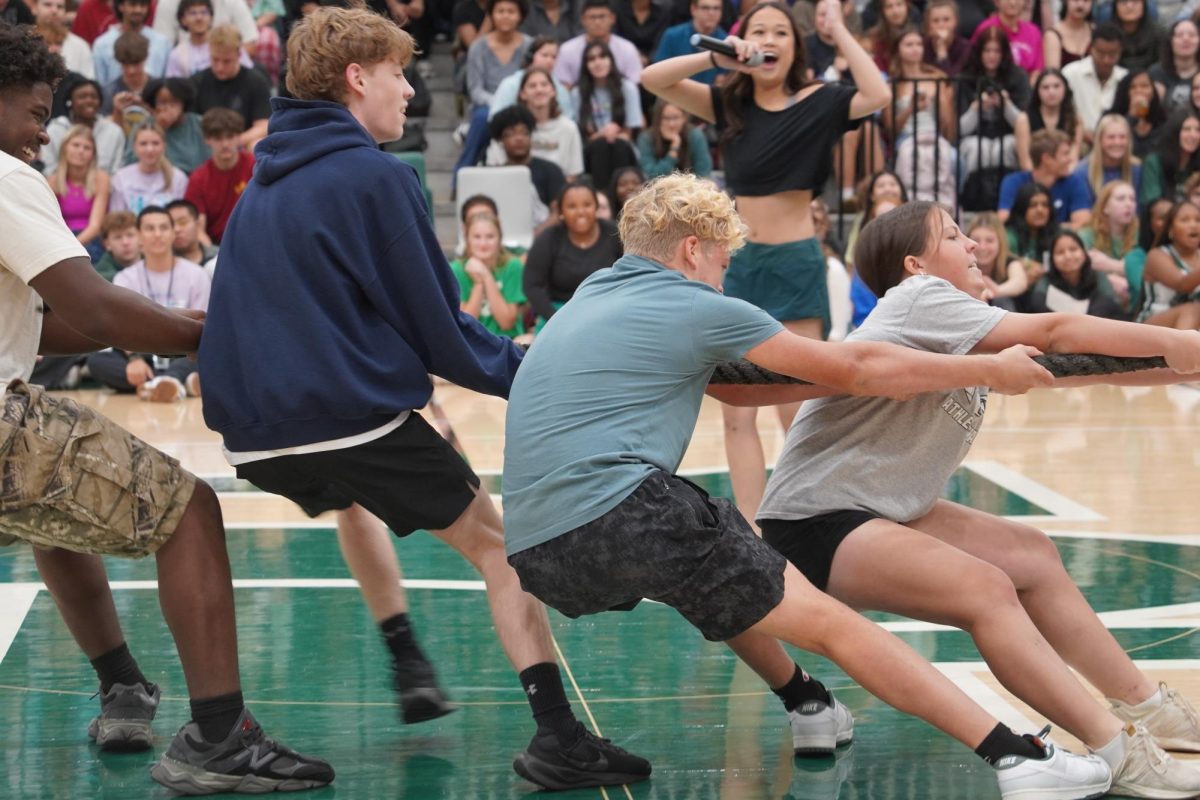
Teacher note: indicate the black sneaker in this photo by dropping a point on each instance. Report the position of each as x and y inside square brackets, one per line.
[247, 761]
[421, 698]
[587, 761]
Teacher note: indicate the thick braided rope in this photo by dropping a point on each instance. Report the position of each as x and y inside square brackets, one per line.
[1061, 365]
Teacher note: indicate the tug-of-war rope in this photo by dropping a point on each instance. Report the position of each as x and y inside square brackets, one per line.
[1060, 365]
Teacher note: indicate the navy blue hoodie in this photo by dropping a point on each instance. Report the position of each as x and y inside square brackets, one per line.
[332, 301]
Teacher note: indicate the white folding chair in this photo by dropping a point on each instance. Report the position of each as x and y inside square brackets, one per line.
[512, 189]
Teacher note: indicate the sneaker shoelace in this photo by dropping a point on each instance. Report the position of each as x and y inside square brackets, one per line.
[1179, 701]
[1156, 757]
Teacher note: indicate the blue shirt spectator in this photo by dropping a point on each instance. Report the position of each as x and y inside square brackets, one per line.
[676, 40]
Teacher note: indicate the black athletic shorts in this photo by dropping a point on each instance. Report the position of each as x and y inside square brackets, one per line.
[411, 478]
[669, 542]
[811, 543]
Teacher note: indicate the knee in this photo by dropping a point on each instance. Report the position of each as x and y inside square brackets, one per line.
[989, 591]
[1041, 561]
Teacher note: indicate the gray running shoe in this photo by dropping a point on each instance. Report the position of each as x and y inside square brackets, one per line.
[247, 761]
[125, 716]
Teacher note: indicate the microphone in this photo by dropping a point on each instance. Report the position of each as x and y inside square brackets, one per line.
[718, 46]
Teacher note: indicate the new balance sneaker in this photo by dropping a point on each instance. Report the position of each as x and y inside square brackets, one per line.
[125, 716]
[819, 728]
[246, 761]
[587, 761]
[421, 698]
[1057, 775]
[1173, 723]
[1147, 771]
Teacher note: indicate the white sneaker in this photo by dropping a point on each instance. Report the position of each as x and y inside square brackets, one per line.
[1174, 724]
[818, 728]
[1147, 771]
[1059, 775]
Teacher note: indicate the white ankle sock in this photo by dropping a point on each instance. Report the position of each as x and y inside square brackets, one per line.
[1154, 701]
[1113, 753]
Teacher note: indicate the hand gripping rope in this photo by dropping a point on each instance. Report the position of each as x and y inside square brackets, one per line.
[1060, 365]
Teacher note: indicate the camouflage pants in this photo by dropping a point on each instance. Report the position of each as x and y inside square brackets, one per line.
[73, 479]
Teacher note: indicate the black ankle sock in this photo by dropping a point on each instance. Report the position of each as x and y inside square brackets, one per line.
[216, 715]
[398, 636]
[800, 688]
[1003, 742]
[118, 666]
[544, 690]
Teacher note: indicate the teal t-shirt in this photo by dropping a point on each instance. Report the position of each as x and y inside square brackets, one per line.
[509, 279]
[610, 392]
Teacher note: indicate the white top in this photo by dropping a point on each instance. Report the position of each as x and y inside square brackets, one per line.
[556, 140]
[78, 55]
[1091, 99]
[33, 238]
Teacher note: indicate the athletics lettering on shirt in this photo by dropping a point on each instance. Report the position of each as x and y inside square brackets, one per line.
[969, 418]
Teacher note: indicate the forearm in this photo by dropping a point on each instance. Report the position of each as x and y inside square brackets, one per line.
[887, 370]
[665, 74]
[867, 77]
[473, 305]
[60, 339]
[1079, 333]
[504, 312]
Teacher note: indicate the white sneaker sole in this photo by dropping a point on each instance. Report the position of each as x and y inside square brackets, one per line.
[1063, 793]
[121, 735]
[1153, 794]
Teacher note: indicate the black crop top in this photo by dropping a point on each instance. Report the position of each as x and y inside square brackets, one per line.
[788, 150]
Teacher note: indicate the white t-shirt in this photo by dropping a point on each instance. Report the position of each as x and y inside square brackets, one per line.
[33, 237]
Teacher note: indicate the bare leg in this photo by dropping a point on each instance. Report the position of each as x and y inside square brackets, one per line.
[765, 655]
[881, 663]
[367, 547]
[1184, 317]
[78, 583]
[889, 567]
[521, 622]
[1051, 599]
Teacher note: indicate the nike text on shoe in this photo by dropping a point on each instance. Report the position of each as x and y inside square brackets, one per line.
[1147, 771]
[1173, 723]
[125, 716]
[587, 760]
[1058, 775]
[421, 698]
[246, 761]
[819, 728]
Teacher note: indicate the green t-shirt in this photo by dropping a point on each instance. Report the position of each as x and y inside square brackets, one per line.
[508, 278]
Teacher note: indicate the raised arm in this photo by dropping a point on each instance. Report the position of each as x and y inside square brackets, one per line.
[1160, 269]
[671, 80]
[873, 92]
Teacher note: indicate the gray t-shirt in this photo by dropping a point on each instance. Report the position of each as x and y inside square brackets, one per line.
[610, 392]
[884, 456]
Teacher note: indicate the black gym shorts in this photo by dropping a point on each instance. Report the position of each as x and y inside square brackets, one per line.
[411, 478]
[810, 543]
[669, 542]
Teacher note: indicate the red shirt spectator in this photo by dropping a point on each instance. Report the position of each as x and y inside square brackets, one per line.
[94, 17]
[215, 191]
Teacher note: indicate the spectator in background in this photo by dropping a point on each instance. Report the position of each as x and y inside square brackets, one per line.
[1112, 158]
[216, 185]
[81, 188]
[819, 46]
[490, 278]
[598, 23]
[1154, 222]
[671, 144]
[131, 18]
[76, 52]
[473, 205]
[1053, 167]
[1071, 285]
[491, 58]
[1111, 239]
[169, 24]
[118, 233]
[268, 50]
[192, 54]
[151, 180]
[513, 129]
[1024, 37]
[642, 22]
[555, 135]
[185, 219]
[1031, 228]
[623, 184]
[1172, 276]
[1140, 35]
[92, 18]
[554, 19]
[991, 96]
[170, 101]
[15, 12]
[1137, 101]
[894, 18]
[1070, 38]
[882, 186]
[83, 108]
[1052, 108]
[944, 48]
[1177, 157]
[1173, 73]
[676, 40]
[170, 281]
[1094, 80]
[610, 111]
[225, 84]
[542, 53]
[124, 93]
[563, 255]
[1004, 275]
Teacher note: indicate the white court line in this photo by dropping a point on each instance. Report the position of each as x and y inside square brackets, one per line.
[274, 583]
[16, 599]
[1063, 508]
[1179, 615]
[1184, 540]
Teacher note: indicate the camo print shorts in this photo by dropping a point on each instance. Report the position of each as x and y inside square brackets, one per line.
[71, 478]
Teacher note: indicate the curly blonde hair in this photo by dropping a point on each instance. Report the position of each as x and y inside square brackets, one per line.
[331, 39]
[669, 209]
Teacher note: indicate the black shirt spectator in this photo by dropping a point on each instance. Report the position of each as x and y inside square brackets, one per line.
[15, 12]
[538, 23]
[247, 92]
[643, 33]
[555, 266]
